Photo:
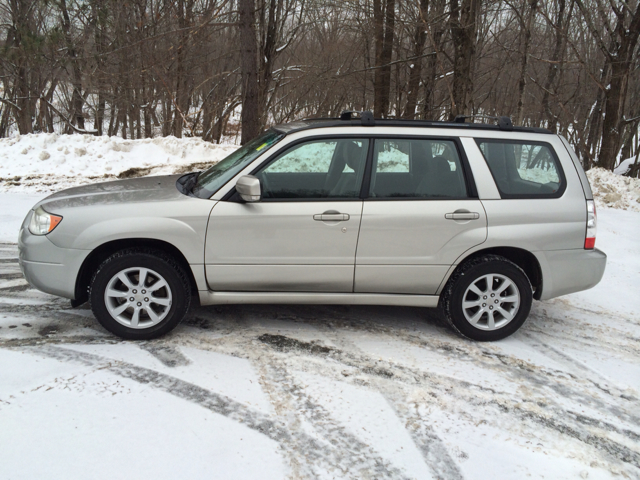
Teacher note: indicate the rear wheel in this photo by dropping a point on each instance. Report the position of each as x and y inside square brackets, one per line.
[139, 294]
[488, 298]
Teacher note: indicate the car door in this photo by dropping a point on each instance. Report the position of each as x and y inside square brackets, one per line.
[301, 236]
[419, 217]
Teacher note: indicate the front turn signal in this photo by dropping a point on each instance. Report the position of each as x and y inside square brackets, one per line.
[43, 222]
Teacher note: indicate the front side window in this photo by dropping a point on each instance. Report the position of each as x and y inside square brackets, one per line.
[323, 168]
[523, 169]
[420, 168]
[211, 180]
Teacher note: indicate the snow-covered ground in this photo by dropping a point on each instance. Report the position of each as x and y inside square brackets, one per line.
[48, 161]
[277, 392]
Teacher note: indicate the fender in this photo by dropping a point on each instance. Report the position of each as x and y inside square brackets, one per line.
[181, 224]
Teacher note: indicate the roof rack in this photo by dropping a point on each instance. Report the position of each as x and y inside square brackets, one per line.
[504, 123]
[365, 118]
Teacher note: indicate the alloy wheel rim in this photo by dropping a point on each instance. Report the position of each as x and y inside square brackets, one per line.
[138, 298]
[491, 302]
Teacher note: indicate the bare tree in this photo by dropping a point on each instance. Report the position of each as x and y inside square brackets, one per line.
[619, 51]
[251, 112]
[384, 18]
[463, 23]
[224, 69]
[419, 40]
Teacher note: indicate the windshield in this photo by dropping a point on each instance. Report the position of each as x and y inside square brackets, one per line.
[215, 177]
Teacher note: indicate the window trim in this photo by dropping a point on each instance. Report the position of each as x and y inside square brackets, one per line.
[525, 196]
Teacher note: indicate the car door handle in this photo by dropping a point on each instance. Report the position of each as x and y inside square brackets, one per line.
[462, 216]
[331, 217]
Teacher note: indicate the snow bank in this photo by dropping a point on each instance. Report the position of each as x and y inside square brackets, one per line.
[624, 166]
[614, 191]
[48, 161]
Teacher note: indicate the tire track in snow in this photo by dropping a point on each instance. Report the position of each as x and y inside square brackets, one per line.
[297, 408]
[430, 445]
[167, 355]
[358, 456]
[327, 455]
[579, 367]
[463, 391]
[613, 339]
[524, 372]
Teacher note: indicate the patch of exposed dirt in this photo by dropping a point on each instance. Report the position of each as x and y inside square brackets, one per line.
[134, 172]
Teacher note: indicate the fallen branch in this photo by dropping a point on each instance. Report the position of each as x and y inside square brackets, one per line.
[76, 129]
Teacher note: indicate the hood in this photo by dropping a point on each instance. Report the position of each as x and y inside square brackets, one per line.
[134, 190]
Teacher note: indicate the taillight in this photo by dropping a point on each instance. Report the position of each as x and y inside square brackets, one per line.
[592, 221]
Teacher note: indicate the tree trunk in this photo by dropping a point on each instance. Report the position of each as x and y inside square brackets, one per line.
[630, 132]
[463, 23]
[614, 107]
[431, 71]
[148, 132]
[251, 113]
[419, 39]
[77, 117]
[555, 67]
[522, 83]
[384, 19]
[20, 16]
[99, 126]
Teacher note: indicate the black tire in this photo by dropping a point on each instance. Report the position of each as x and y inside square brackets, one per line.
[159, 262]
[452, 297]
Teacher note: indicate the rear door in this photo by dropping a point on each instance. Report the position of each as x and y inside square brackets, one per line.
[421, 214]
[302, 235]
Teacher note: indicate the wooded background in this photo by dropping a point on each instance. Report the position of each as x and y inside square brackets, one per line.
[143, 68]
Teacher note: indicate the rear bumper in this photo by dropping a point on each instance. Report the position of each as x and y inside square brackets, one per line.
[47, 267]
[569, 271]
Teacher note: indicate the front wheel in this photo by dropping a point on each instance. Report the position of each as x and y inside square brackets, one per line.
[139, 294]
[488, 298]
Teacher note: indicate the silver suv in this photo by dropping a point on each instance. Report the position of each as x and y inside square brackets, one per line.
[475, 219]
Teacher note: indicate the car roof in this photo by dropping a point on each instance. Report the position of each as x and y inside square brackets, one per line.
[366, 119]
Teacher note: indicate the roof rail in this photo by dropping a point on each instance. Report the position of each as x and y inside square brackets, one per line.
[365, 117]
[355, 118]
[504, 122]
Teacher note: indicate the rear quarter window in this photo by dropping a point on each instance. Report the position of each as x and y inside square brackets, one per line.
[523, 169]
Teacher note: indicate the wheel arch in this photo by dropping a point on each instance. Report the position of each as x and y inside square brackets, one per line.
[102, 252]
[526, 260]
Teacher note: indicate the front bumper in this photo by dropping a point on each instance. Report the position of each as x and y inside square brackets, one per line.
[570, 271]
[47, 267]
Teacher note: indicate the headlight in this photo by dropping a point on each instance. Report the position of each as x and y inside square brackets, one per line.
[42, 222]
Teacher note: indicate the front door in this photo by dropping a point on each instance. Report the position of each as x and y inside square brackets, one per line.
[301, 236]
[419, 217]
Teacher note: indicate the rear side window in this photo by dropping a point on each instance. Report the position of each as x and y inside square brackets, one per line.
[523, 169]
[416, 168]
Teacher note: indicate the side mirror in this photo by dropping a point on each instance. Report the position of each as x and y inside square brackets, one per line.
[248, 187]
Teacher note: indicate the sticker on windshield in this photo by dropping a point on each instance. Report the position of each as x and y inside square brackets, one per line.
[262, 146]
